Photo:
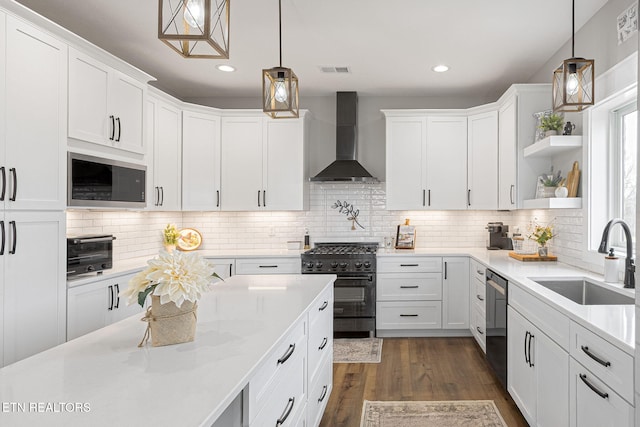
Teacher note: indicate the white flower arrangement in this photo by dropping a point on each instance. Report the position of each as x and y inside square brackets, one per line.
[177, 276]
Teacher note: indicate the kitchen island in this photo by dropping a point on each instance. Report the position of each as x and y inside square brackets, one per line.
[104, 379]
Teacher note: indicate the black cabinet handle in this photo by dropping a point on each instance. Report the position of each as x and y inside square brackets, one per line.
[324, 343]
[323, 306]
[409, 265]
[409, 287]
[110, 298]
[268, 266]
[602, 394]
[287, 412]
[324, 393]
[479, 330]
[287, 354]
[258, 198]
[117, 295]
[445, 270]
[157, 196]
[15, 237]
[4, 184]
[264, 198]
[531, 336]
[3, 237]
[429, 198]
[161, 196]
[217, 198]
[479, 297]
[408, 315]
[119, 129]
[603, 362]
[526, 358]
[423, 196]
[15, 184]
[468, 197]
[513, 187]
[113, 128]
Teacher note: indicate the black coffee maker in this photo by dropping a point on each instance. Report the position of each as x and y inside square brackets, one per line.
[498, 236]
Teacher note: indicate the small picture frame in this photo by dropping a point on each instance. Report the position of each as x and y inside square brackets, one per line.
[406, 237]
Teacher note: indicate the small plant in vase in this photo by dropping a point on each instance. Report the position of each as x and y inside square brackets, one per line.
[170, 236]
[552, 124]
[550, 183]
[541, 235]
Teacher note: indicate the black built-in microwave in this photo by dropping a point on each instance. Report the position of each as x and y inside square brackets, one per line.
[88, 254]
[99, 182]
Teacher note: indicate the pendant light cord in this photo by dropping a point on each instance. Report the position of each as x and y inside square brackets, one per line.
[280, 28]
[573, 28]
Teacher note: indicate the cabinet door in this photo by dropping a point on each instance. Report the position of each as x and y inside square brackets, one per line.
[447, 162]
[126, 103]
[552, 379]
[455, 293]
[120, 309]
[521, 377]
[167, 157]
[201, 162]
[406, 139]
[87, 308]
[482, 153]
[241, 164]
[507, 144]
[36, 72]
[284, 178]
[35, 298]
[88, 103]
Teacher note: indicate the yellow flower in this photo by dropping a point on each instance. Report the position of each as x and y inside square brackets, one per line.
[170, 235]
[541, 234]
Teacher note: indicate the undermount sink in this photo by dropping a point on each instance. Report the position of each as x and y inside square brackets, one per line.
[585, 292]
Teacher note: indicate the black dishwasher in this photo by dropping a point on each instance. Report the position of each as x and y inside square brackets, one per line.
[496, 330]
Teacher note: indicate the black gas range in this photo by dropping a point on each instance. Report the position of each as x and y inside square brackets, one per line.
[354, 309]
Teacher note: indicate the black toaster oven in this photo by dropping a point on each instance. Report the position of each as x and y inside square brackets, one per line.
[87, 254]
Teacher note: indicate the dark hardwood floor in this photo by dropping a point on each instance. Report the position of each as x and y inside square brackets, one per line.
[417, 369]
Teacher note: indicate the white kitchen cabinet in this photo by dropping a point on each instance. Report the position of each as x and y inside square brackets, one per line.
[507, 154]
[105, 105]
[279, 265]
[538, 373]
[97, 304]
[477, 302]
[455, 293]
[320, 357]
[426, 161]
[223, 267]
[482, 146]
[164, 133]
[201, 161]
[32, 154]
[34, 304]
[263, 163]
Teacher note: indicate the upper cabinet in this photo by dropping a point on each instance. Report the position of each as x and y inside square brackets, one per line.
[201, 160]
[33, 117]
[507, 153]
[105, 105]
[263, 163]
[483, 161]
[423, 161]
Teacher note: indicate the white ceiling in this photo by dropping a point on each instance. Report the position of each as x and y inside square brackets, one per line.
[390, 46]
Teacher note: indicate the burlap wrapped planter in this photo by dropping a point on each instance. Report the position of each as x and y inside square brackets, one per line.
[169, 324]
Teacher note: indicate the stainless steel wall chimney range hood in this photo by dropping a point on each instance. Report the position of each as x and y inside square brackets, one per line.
[346, 167]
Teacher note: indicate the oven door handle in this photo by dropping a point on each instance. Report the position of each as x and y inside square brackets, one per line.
[497, 287]
[369, 278]
[97, 240]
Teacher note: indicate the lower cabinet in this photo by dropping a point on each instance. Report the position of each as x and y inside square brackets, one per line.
[278, 265]
[477, 296]
[538, 373]
[97, 304]
[455, 293]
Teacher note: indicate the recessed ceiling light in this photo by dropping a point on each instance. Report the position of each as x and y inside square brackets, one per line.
[440, 68]
[226, 68]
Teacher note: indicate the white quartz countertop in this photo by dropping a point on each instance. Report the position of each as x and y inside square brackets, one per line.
[189, 384]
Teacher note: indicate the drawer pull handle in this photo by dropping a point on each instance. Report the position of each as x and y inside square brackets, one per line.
[409, 287]
[604, 363]
[324, 393]
[287, 355]
[323, 306]
[408, 315]
[480, 272]
[479, 330]
[324, 343]
[479, 297]
[409, 265]
[602, 394]
[267, 266]
[287, 412]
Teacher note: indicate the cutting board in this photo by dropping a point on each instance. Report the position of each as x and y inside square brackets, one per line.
[573, 178]
[532, 257]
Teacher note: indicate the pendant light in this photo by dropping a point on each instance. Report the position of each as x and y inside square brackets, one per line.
[280, 86]
[195, 28]
[573, 81]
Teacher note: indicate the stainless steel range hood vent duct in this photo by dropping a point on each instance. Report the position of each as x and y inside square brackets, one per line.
[346, 167]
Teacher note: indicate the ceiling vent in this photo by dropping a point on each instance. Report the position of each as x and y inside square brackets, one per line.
[335, 69]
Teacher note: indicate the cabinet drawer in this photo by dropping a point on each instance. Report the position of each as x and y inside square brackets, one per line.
[319, 391]
[586, 347]
[477, 270]
[478, 295]
[409, 286]
[320, 332]
[478, 326]
[409, 315]
[288, 352]
[547, 319]
[409, 264]
[587, 408]
[268, 265]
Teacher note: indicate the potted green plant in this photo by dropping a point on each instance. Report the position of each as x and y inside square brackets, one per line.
[552, 124]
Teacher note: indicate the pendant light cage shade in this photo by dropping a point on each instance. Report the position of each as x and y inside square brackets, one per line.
[195, 28]
[573, 88]
[280, 93]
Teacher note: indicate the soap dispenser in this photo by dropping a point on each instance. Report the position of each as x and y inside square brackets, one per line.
[611, 267]
[306, 239]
